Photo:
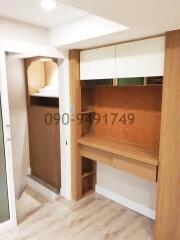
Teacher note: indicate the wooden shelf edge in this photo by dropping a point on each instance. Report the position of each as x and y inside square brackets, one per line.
[43, 96]
[88, 174]
[87, 112]
[122, 149]
[85, 194]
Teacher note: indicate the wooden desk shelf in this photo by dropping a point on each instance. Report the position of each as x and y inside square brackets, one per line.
[127, 157]
[122, 149]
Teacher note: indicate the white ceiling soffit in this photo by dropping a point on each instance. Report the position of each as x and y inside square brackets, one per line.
[32, 13]
[143, 17]
[82, 29]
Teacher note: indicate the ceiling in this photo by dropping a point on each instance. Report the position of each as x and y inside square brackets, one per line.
[30, 11]
[143, 17]
[133, 13]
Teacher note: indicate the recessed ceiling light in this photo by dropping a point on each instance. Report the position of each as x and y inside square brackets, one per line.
[48, 4]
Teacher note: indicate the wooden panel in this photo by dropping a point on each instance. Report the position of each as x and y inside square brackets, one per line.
[88, 167]
[122, 149]
[97, 155]
[75, 93]
[168, 207]
[137, 168]
[98, 63]
[88, 185]
[94, 218]
[51, 74]
[87, 98]
[86, 124]
[140, 59]
[134, 167]
[44, 146]
[143, 102]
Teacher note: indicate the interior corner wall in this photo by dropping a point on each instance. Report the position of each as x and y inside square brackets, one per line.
[18, 121]
[51, 73]
[36, 76]
[127, 186]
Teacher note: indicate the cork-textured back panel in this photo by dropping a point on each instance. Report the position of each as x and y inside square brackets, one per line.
[87, 98]
[141, 104]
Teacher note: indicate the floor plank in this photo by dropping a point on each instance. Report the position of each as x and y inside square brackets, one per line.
[93, 218]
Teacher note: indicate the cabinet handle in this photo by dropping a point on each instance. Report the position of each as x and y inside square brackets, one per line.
[8, 139]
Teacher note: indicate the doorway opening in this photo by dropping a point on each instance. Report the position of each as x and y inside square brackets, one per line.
[33, 89]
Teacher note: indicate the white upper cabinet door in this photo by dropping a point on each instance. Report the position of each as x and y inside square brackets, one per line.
[98, 63]
[144, 58]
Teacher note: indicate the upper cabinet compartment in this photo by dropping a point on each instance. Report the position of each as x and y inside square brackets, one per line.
[98, 63]
[139, 59]
[144, 58]
[42, 77]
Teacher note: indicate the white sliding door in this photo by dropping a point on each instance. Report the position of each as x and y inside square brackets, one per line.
[4, 203]
[98, 63]
[7, 198]
[144, 58]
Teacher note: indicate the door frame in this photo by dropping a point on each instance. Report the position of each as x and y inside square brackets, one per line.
[27, 50]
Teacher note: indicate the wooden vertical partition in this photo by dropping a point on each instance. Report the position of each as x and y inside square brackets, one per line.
[75, 92]
[168, 208]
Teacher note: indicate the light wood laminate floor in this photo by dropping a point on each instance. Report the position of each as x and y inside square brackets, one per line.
[93, 218]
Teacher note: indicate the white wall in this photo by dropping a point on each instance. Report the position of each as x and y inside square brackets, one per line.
[25, 39]
[64, 103]
[23, 32]
[18, 121]
[126, 185]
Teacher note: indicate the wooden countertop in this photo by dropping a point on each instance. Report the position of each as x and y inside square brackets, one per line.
[123, 149]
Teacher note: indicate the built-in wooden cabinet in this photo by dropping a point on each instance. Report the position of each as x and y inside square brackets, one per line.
[143, 139]
[118, 120]
[98, 63]
[44, 143]
[43, 121]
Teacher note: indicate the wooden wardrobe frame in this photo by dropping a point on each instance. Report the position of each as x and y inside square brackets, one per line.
[39, 112]
[168, 200]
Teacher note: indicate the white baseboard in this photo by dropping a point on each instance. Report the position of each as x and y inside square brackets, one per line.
[29, 171]
[47, 193]
[139, 208]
